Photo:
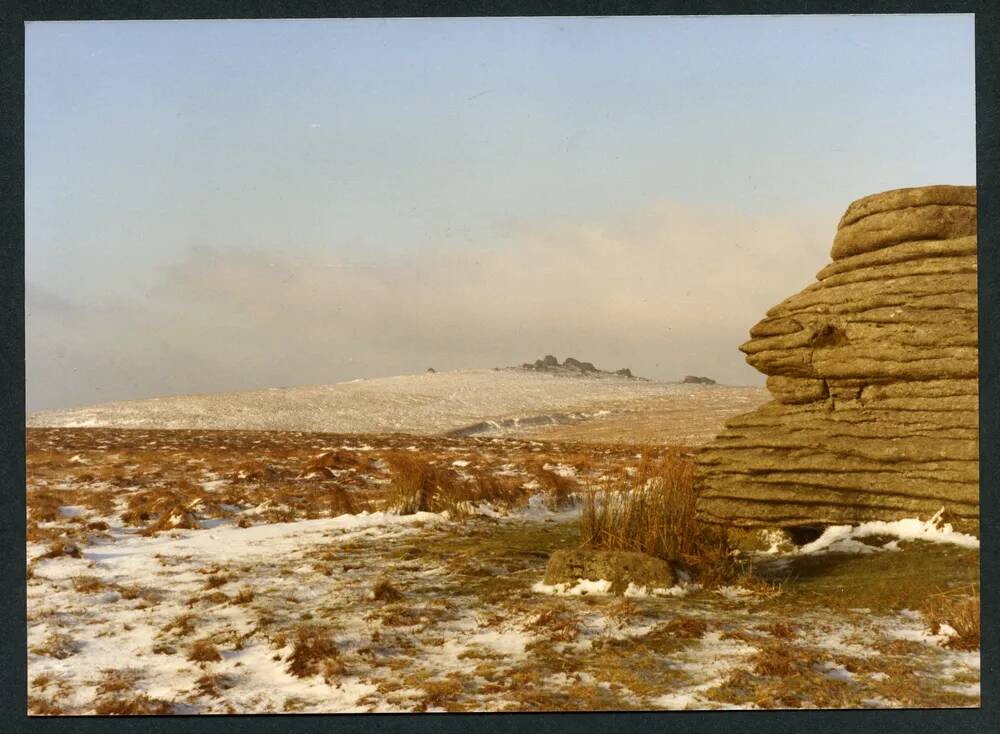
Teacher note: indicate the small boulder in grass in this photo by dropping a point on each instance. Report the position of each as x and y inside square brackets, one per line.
[621, 568]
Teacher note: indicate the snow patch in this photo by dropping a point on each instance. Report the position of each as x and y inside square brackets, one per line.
[679, 590]
[581, 587]
[845, 538]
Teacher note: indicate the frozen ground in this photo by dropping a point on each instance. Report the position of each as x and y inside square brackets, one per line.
[470, 629]
[273, 601]
[503, 402]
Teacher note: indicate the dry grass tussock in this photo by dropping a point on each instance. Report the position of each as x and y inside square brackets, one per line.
[685, 628]
[84, 584]
[556, 623]
[958, 609]
[337, 460]
[61, 548]
[57, 645]
[779, 659]
[314, 653]
[204, 651]
[168, 508]
[419, 485]
[244, 596]
[559, 490]
[135, 705]
[46, 522]
[115, 695]
[653, 511]
[383, 590]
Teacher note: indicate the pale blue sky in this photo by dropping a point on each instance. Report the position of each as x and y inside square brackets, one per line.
[229, 205]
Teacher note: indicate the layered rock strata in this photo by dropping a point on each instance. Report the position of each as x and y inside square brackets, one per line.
[874, 374]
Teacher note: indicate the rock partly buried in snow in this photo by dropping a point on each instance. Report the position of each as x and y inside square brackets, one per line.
[695, 380]
[621, 568]
[874, 374]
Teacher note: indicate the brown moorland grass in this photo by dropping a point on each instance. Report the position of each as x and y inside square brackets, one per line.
[383, 590]
[114, 680]
[204, 651]
[244, 596]
[57, 645]
[87, 584]
[420, 485]
[960, 610]
[61, 548]
[136, 705]
[685, 628]
[314, 653]
[115, 695]
[182, 625]
[40, 706]
[338, 460]
[559, 490]
[653, 512]
[557, 623]
[779, 659]
[148, 479]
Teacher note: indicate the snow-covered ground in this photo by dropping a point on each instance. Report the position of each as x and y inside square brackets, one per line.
[504, 400]
[469, 628]
[266, 596]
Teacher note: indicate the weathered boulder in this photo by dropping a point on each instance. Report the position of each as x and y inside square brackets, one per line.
[874, 374]
[621, 568]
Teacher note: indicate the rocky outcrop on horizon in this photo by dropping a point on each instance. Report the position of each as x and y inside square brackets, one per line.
[696, 380]
[874, 374]
[572, 366]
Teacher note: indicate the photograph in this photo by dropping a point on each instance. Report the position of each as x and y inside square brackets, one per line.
[501, 364]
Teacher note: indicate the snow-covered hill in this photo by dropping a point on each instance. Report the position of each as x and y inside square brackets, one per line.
[461, 401]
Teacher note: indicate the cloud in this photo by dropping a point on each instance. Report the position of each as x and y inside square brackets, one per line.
[665, 291]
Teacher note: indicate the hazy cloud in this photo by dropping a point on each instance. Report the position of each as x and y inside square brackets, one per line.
[666, 291]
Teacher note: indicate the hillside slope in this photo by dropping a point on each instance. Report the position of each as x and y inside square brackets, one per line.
[466, 401]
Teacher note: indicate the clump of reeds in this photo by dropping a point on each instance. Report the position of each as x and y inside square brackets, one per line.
[652, 511]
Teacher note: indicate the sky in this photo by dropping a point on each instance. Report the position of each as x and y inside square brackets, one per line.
[228, 205]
